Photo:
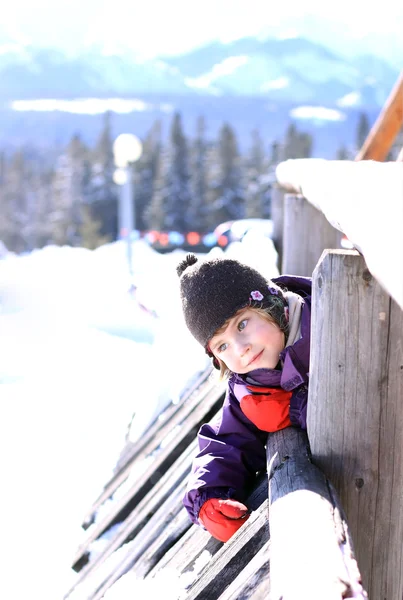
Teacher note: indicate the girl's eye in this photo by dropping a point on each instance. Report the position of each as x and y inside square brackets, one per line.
[242, 324]
[222, 347]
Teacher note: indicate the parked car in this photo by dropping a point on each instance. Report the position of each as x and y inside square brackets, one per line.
[234, 231]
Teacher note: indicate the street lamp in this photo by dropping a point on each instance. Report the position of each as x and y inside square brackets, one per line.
[127, 149]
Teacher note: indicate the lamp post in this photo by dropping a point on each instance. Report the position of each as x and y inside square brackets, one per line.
[127, 149]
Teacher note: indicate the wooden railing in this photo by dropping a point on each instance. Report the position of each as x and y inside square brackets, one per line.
[355, 407]
[386, 127]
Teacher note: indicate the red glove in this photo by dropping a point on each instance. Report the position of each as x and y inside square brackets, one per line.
[222, 518]
[269, 412]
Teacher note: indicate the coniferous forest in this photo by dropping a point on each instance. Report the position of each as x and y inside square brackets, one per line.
[181, 183]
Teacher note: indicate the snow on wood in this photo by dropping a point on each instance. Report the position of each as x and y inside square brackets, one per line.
[311, 551]
[364, 200]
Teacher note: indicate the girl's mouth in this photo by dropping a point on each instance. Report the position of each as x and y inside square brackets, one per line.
[255, 358]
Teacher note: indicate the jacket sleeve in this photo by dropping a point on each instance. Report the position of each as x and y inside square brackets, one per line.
[231, 452]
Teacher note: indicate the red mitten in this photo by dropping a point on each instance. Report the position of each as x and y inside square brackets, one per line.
[222, 518]
[269, 412]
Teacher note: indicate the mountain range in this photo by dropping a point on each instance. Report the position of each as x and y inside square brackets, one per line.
[252, 83]
[291, 70]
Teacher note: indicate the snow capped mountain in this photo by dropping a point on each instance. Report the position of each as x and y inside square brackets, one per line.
[284, 70]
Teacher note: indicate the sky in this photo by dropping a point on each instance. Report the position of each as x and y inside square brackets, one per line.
[72, 347]
[156, 27]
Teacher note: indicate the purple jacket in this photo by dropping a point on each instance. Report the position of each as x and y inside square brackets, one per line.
[232, 449]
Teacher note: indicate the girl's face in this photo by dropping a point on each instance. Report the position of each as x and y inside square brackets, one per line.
[248, 342]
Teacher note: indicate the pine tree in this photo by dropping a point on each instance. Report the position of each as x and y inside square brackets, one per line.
[297, 144]
[43, 188]
[226, 196]
[154, 214]
[15, 215]
[169, 208]
[197, 212]
[362, 130]
[60, 211]
[145, 174]
[89, 230]
[70, 188]
[255, 167]
[342, 153]
[103, 192]
[275, 154]
[6, 225]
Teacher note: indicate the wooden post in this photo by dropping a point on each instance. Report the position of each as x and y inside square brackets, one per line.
[355, 411]
[306, 234]
[311, 551]
[277, 216]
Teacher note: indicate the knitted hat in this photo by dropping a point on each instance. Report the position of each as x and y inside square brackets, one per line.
[212, 291]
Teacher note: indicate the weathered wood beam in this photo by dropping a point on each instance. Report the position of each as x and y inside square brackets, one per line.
[311, 555]
[151, 439]
[192, 559]
[277, 216]
[188, 556]
[132, 448]
[385, 129]
[232, 557]
[306, 234]
[167, 527]
[187, 426]
[169, 535]
[355, 411]
[142, 513]
[253, 582]
[170, 521]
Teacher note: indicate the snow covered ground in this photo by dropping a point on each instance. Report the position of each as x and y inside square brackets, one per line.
[79, 355]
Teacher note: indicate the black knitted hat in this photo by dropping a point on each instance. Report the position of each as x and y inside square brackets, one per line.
[212, 291]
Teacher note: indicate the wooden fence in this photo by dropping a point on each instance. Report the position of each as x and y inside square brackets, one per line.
[355, 410]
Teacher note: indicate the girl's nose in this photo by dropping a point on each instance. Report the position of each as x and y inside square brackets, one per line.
[243, 347]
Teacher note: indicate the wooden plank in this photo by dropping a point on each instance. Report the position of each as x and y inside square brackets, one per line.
[253, 582]
[141, 513]
[308, 529]
[187, 426]
[188, 556]
[192, 555]
[277, 216]
[362, 199]
[151, 439]
[150, 557]
[131, 449]
[162, 534]
[383, 133]
[118, 563]
[355, 411]
[306, 234]
[232, 557]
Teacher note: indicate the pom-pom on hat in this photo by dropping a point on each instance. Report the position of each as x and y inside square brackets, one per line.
[212, 291]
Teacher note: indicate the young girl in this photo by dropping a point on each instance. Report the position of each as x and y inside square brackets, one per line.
[257, 333]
